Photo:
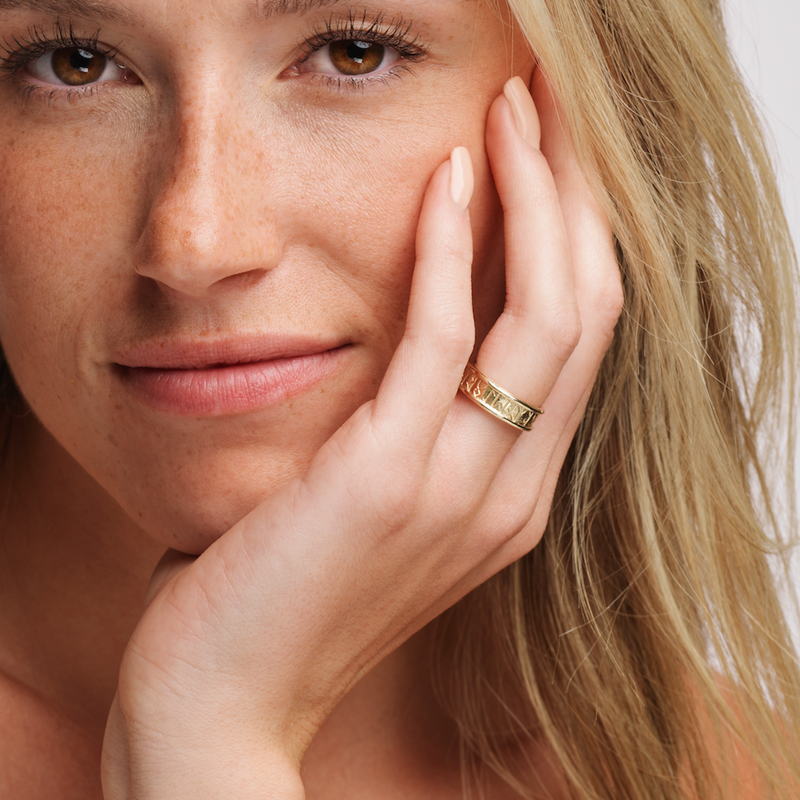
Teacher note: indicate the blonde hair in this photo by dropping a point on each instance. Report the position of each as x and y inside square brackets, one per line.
[644, 640]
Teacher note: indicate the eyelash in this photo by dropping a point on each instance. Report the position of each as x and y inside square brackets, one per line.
[17, 54]
[395, 35]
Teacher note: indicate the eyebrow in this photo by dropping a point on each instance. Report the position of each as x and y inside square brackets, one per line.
[113, 12]
[275, 8]
[75, 8]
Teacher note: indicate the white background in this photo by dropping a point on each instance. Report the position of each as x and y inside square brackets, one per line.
[766, 39]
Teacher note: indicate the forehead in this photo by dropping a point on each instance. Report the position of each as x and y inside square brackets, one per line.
[112, 10]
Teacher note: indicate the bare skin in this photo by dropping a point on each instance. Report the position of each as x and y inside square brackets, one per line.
[286, 660]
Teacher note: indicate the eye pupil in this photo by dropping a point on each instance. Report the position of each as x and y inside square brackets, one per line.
[357, 51]
[77, 66]
[353, 57]
[81, 60]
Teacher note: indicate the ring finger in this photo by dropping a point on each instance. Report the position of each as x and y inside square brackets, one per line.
[540, 326]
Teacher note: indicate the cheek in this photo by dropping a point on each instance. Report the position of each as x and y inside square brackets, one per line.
[368, 187]
[54, 214]
[365, 206]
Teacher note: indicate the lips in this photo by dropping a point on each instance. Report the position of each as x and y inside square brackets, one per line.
[228, 375]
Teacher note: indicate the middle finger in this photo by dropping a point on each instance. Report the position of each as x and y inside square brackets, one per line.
[540, 326]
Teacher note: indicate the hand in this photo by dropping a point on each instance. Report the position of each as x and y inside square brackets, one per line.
[417, 499]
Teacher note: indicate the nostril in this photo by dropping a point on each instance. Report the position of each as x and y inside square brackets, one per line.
[200, 226]
[188, 249]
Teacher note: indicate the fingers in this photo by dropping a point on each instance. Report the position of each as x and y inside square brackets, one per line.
[598, 293]
[588, 229]
[422, 379]
[529, 345]
[563, 299]
[540, 324]
[595, 272]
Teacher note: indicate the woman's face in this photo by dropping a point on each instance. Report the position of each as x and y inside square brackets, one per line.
[207, 225]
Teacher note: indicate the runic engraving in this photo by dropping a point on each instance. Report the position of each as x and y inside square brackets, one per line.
[471, 386]
[496, 401]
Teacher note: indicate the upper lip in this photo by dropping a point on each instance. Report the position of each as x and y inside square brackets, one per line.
[222, 351]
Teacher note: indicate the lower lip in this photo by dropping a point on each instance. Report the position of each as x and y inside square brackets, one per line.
[232, 388]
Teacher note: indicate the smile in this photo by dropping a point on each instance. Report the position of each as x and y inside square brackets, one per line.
[225, 377]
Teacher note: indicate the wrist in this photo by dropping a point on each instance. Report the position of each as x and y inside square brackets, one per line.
[207, 762]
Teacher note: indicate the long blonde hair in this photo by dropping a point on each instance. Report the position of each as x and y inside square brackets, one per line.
[644, 640]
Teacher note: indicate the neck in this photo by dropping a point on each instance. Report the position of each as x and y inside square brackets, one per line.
[73, 574]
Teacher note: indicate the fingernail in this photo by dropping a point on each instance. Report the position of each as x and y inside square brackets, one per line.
[525, 114]
[462, 177]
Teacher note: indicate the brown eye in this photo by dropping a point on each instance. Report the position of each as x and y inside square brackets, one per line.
[77, 66]
[352, 57]
[352, 60]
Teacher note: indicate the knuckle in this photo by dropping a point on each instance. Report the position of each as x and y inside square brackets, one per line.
[606, 304]
[611, 299]
[395, 493]
[564, 331]
[450, 245]
[456, 249]
[454, 333]
[451, 354]
[456, 330]
[516, 515]
[494, 534]
[454, 500]
[392, 503]
[396, 505]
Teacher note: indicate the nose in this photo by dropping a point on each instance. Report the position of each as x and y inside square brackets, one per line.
[205, 224]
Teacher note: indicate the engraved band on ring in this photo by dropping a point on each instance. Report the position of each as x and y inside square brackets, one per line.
[497, 401]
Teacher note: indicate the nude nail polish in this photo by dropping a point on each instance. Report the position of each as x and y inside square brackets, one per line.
[462, 177]
[525, 114]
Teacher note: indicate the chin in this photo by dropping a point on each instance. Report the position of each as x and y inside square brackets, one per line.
[191, 529]
[188, 509]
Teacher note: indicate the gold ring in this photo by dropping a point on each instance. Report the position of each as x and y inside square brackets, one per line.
[497, 401]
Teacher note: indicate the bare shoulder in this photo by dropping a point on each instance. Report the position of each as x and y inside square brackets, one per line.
[730, 756]
[538, 770]
[734, 762]
[43, 756]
